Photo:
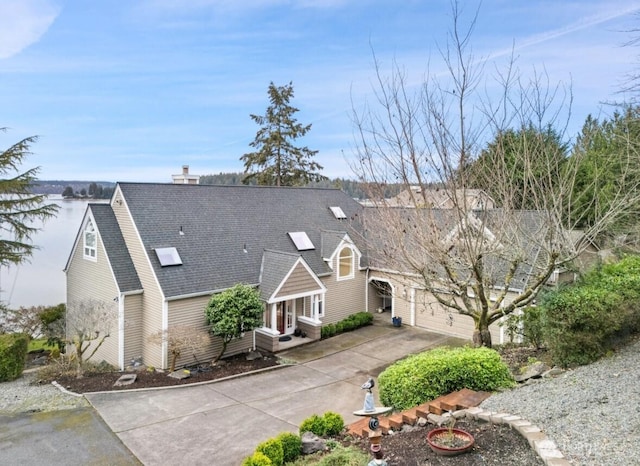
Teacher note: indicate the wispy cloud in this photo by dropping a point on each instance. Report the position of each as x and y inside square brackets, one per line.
[580, 24]
[23, 23]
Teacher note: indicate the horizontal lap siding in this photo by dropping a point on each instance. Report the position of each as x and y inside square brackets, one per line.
[190, 313]
[151, 298]
[300, 281]
[435, 317]
[82, 272]
[428, 312]
[132, 328]
[344, 297]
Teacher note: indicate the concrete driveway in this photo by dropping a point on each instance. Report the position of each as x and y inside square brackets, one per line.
[65, 437]
[222, 422]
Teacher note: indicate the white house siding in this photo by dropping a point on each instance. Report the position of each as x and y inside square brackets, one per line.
[82, 271]
[190, 312]
[132, 327]
[344, 297]
[152, 300]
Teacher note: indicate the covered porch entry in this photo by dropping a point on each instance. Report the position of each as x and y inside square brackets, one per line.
[294, 302]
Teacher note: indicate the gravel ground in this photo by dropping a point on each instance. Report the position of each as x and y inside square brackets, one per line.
[591, 412]
[19, 396]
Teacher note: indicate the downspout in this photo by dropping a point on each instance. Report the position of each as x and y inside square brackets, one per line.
[412, 297]
[120, 300]
[165, 327]
[366, 291]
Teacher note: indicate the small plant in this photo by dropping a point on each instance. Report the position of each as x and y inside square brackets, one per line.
[313, 424]
[257, 459]
[333, 423]
[291, 446]
[273, 450]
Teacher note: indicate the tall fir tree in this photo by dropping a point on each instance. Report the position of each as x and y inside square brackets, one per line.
[276, 160]
[19, 207]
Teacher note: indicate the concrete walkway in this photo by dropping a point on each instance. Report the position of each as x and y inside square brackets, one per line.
[222, 422]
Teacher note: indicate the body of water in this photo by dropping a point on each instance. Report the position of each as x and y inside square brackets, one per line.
[41, 280]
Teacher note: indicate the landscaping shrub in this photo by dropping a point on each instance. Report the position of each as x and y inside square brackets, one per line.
[329, 424]
[352, 322]
[584, 321]
[528, 324]
[314, 424]
[423, 377]
[257, 459]
[328, 331]
[273, 450]
[291, 446]
[333, 423]
[13, 352]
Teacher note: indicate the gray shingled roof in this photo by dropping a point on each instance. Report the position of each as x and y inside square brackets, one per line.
[220, 222]
[522, 232]
[118, 255]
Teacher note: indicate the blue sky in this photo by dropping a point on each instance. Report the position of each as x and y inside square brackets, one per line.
[132, 90]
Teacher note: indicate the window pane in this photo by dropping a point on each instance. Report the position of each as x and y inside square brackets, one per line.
[345, 262]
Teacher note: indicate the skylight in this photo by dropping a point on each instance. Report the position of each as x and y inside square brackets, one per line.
[338, 212]
[301, 240]
[168, 256]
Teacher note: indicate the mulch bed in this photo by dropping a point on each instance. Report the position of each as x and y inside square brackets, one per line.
[495, 444]
[104, 381]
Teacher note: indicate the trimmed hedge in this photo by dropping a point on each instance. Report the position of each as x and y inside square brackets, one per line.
[352, 322]
[13, 353]
[423, 377]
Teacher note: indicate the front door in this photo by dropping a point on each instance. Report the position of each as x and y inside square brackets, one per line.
[286, 317]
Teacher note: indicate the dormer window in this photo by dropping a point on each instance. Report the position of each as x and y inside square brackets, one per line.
[90, 241]
[345, 263]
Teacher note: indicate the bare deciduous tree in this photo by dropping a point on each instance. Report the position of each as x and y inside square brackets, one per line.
[480, 259]
[88, 324]
[180, 338]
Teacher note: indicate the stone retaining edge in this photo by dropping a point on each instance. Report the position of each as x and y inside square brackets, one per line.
[546, 448]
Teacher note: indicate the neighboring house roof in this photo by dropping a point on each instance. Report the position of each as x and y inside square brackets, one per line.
[125, 273]
[221, 232]
[434, 198]
[429, 233]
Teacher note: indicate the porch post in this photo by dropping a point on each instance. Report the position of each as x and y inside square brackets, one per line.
[274, 320]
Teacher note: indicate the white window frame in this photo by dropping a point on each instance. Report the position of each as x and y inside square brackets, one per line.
[90, 252]
[351, 273]
[317, 306]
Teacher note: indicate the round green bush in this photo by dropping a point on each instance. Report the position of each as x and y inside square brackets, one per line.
[273, 450]
[257, 459]
[333, 423]
[313, 424]
[291, 446]
[423, 377]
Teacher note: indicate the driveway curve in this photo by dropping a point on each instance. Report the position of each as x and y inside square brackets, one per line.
[222, 422]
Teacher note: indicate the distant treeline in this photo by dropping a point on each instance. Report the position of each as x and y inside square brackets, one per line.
[74, 188]
[93, 191]
[104, 189]
[354, 189]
